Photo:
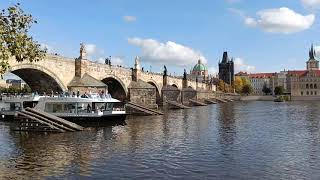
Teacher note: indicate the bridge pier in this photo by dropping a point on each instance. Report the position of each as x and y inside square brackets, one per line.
[141, 92]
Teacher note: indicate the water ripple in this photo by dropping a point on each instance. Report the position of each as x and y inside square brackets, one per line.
[241, 140]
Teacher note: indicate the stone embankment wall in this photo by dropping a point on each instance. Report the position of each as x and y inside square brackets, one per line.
[305, 98]
[257, 98]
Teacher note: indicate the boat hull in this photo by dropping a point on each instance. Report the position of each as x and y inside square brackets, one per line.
[95, 121]
[88, 121]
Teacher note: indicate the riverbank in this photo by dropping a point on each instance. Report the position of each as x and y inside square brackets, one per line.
[256, 98]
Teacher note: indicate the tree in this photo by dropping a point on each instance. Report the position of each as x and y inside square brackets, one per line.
[238, 84]
[221, 85]
[266, 90]
[247, 89]
[245, 81]
[14, 38]
[279, 90]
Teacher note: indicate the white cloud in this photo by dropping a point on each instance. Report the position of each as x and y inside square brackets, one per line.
[282, 20]
[213, 70]
[250, 22]
[47, 47]
[129, 18]
[91, 49]
[240, 65]
[94, 53]
[117, 60]
[312, 4]
[167, 53]
[317, 50]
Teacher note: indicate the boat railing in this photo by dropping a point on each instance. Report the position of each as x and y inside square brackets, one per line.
[34, 96]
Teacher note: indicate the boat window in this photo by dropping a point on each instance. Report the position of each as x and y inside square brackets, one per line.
[15, 106]
[84, 107]
[60, 108]
[109, 106]
[100, 106]
[30, 104]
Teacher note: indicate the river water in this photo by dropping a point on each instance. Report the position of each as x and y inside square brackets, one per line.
[239, 140]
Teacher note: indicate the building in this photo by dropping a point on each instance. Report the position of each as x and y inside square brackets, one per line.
[199, 72]
[259, 80]
[304, 84]
[200, 69]
[226, 69]
[281, 80]
[300, 84]
[15, 83]
[270, 80]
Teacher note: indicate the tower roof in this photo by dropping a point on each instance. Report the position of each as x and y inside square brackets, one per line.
[225, 57]
[200, 66]
[312, 53]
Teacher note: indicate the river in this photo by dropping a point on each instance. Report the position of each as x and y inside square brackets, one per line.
[238, 140]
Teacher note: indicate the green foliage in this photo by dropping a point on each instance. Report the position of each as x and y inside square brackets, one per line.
[245, 81]
[247, 89]
[12, 90]
[238, 84]
[14, 39]
[243, 85]
[279, 90]
[266, 90]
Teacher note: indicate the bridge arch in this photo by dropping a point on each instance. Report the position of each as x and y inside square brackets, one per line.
[174, 85]
[154, 84]
[116, 87]
[38, 78]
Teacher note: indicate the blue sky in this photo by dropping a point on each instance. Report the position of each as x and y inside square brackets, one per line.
[261, 36]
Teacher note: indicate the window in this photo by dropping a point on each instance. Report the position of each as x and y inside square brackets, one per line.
[307, 92]
[60, 108]
[15, 106]
[315, 86]
[311, 92]
[84, 108]
[301, 93]
[307, 86]
[311, 86]
[315, 93]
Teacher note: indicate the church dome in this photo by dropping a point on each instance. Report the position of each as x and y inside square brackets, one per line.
[200, 67]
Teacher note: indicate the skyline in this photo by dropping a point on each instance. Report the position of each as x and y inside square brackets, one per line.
[262, 37]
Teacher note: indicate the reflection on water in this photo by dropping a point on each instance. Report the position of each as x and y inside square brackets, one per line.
[241, 140]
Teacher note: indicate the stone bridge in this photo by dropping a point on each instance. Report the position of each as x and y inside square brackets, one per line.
[54, 73]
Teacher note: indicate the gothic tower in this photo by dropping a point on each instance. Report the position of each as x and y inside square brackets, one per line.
[312, 63]
[226, 69]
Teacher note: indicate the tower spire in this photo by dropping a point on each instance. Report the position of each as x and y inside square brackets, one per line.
[312, 52]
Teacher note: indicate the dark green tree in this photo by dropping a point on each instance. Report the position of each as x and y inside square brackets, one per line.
[14, 38]
[279, 90]
[247, 89]
[266, 90]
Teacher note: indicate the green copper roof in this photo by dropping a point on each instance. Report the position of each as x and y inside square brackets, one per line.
[200, 67]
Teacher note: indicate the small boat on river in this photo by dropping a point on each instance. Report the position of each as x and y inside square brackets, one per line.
[279, 99]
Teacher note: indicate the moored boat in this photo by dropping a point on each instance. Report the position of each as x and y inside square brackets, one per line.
[11, 105]
[88, 108]
[83, 109]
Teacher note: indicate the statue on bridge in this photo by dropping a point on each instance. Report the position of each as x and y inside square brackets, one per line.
[165, 72]
[108, 61]
[184, 74]
[82, 51]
